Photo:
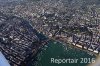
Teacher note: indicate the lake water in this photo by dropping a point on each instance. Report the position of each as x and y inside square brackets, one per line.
[58, 50]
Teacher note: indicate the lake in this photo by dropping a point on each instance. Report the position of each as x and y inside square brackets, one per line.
[59, 50]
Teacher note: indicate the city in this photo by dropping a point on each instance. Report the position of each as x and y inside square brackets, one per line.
[75, 22]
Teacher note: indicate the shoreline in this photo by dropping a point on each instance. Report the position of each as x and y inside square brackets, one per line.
[89, 51]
